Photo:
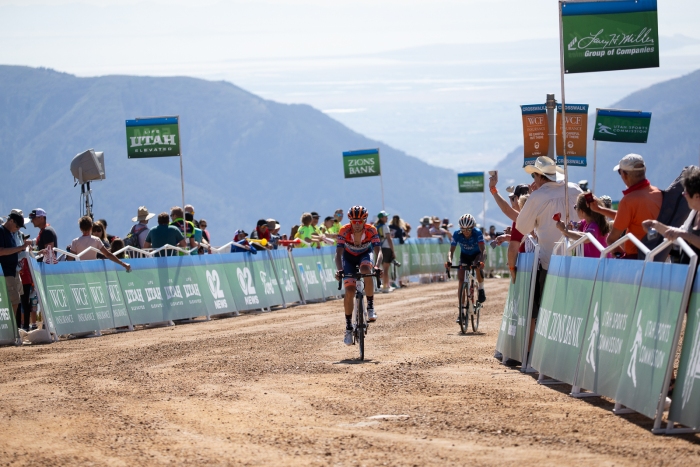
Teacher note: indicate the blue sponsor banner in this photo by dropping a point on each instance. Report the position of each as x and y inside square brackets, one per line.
[607, 7]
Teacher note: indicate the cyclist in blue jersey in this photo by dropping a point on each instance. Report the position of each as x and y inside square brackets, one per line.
[471, 242]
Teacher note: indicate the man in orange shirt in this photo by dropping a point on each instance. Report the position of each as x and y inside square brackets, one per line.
[641, 202]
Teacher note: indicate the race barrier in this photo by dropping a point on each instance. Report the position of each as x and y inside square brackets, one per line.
[82, 298]
[8, 328]
[497, 258]
[613, 327]
[420, 256]
[517, 314]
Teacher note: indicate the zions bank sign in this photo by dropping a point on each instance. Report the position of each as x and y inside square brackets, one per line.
[362, 163]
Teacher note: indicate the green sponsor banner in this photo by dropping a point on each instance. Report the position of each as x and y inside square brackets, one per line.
[285, 275]
[622, 126]
[105, 293]
[214, 286]
[650, 343]
[268, 280]
[610, 319]
[471, 182]
[602, 36]
[559, 333]
[497, 258]
[326, 271]
[152, 137]
[162, 289]
[362, 163]
[311, 284]
[243, 275]
[68, 298]
[513, 332]
[38, 277]
[685, 408]
[8, 328]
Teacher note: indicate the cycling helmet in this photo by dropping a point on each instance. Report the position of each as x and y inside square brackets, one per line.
[357, 213]
[467, 222]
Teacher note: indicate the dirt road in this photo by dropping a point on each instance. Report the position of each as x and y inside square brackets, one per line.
[280, 388]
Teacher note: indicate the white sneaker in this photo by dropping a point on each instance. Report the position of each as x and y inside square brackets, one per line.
[371, 315]
[348, 337]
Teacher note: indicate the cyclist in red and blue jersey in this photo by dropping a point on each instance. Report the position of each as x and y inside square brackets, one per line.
[471, 242]
[355, 242]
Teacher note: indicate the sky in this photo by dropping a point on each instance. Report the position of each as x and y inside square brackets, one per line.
[466, 70]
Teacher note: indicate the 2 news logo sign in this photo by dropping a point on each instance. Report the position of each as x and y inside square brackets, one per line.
[214, 283]
[245, 280]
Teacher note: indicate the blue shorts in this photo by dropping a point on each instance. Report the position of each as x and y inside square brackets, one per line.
[351, 263]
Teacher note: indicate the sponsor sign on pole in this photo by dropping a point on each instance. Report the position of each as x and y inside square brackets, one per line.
[609, 35]
[576, 134]
[622, 126]
[152, 137]
[471, 182]
[535, 132]
[362, 163]
[561, 323]
[610, 319]
[650, 340]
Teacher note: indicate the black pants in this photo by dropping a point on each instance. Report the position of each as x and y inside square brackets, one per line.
[24, 307]
[539, 289]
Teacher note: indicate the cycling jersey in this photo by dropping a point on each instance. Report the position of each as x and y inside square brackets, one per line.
[369, 239]
[469, 246]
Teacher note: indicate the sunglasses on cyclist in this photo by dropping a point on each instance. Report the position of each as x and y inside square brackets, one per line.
[357, 221]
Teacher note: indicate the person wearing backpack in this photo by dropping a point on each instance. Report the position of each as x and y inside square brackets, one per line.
[138, 233]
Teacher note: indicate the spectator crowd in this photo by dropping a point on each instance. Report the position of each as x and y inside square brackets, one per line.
[537, 208]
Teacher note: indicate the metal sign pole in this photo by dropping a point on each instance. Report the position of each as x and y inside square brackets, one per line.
[182, 175]
[595, 158]
[563, 113]
[381, 179]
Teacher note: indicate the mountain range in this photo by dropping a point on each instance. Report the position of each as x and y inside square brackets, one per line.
[244, 157]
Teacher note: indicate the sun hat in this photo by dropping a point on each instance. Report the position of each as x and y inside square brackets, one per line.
[143, 215]
[547, 168]
[425, 220]
[630, 163]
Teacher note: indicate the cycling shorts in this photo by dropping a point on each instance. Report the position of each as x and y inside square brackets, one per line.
[350, 264]
[467, 260]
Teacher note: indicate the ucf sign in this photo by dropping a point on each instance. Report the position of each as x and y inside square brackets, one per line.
[362, 163]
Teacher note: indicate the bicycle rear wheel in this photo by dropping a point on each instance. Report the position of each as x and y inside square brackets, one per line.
[463, 309]
[476, 306]
[360, 327]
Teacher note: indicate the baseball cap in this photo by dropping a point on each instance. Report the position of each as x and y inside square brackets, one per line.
[17, 218]
[38, 212]
[240, 233]
[315, 215]
[630, 163]
[382, 214]
[261, 222]
[328, 218]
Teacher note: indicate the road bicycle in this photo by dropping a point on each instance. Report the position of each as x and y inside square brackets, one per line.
[469, 305]
[360, 325]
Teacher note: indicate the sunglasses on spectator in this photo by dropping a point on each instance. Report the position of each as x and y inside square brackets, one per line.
[97, 229]
[203, 225]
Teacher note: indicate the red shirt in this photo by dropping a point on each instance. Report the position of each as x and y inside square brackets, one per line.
[516, 236]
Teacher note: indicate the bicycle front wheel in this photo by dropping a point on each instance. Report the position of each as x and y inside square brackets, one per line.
[463, 308]
[360, 326]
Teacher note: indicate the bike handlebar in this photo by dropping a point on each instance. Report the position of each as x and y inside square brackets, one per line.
[358, 275]
[460, 266]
